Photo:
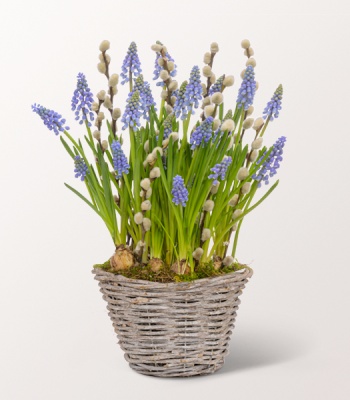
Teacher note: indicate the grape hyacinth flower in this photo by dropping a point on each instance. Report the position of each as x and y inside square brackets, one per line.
[271, 164]
[52, 119]
[131, 64]
[81, 168]
[168, 125]
[274, 105]
[82, 101]
[220, 170]
[120, 162]
[132, 113]
[217, 87]
[193, 93]
[146, 97]
[202, 134]
[179, 191]
[179, 106]
[247, 90]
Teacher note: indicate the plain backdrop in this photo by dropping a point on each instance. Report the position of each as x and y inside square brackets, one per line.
[292, 335]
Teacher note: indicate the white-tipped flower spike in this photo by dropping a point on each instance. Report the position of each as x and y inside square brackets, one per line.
[245, 44]
[150, 158]
[156, 47]
[217, 98]
[116, 113]
[207, 71]
[149, 193]
[146, 205]
[163, 94]
[257, 143]
[253, 155]
[242, 173]
[228, 81]
[102, 67]
[165, 142]
[160, 61]
[155, 173]
[216, 124]
[214, 47]
[94, 106]
[214, 189]
[164, 75]
[207, 58]
[204, 89]
[197, 254]
[104, 46]
[107, 103]
[174, 136]
[250, 111]
[243, 73]
[245, 188]
[101, 95]
[145, 184]
[227, 261]
[251, 61]
[146, 146]
[209, 110]
[171, 65]
[173, 85]
[113, 80]
[101, 116]
[248, 123]
[97, 135]
[208, 205]
[206, 101]
[138, 218]
[104, 144]
[146, 224]
[212, 79]
[233, 201]
[237, 213]
[258, 123]
[157, 150]
[228, 125]
[206, 234]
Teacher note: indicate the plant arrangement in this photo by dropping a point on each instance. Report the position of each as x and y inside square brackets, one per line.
[174, 207]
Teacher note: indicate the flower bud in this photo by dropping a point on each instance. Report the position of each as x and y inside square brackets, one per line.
[164, 75]
[251, 61]
[248, 123]
[249, 52]
[217, 98]
[216, 124]
[148, 193]
[168, 109]
[245, 44]
[146, 146]
[214, 47]
[228, 260]
[101, 95]
[94, 106]
[209, 110]
[146, 224]
[116, 113]
[102, 67]
[173, 100]
[214, 189]
[105, 58]
[107, 103]
[163, 94]
[156, 47]
[234, 227]
[104, 144]
[97, 135]
[258, 123]
[206, 101]
[155, 173]
[206, 234]
[150, 158]
[138, 218]
[173, 85]
[253, 155]
[174, 136]
[157, 150]
[242, 173]
[146, 205]
[245, 188]
[212, 78]
[243, 73]
[208, 205]
[197, 254]
[207, 58]
[234, 200]
[114, 90]
[250, 111]
[104, 46]
[228, 81]
[113, 80]
[160, 61]
[145, 165]
[207, 71]
[100, 116]
[256, 86]
[145, 184]
[228, 125]
[171, 65]
[165, 142]
[257, 143]
[237, 213]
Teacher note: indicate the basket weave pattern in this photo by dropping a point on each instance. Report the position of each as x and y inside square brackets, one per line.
[173, 329]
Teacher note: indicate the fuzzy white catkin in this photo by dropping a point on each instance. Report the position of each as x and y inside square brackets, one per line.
[173, 100]
[250, 111]
[101, 95]
[105, 58]
[206, 234]
[204, 89]
[258, 123]
[207, 71]
[116, 113]
[145, 184]
[149, 193]
[150, 158]
[227, 261]
[101, 116]
[216, 124]
[234, 227]
[207, 58]
[197, 254]
[212, 78]
[146, 146]
[174, 136]
[242, 173]
[253, 155]
[257, 143]
[245, 44]
[101, 67]
[168, 109]
[249, 52]
[104, 46]
[171, 65]
[146, 224]
[214, 189]
[209, 110]
[157, 150]
[107, 103]
[97, 135]
[94, 106]
[233, 201]
[214, 47]
[228, 125]
[156, 47]
[165, 142]
[248, 123]
[251, 61]
[155, 173]
[245, 188]
[208, 205]
[173, 85]
[163, 94]
[243, 73]
[160, 61]
[146, 205]
[256, 85]
[104, 144]
[217, 98]
[114, 90]
[164, 75]
[145, 164]
[237, 213]
[228, 81]
[206, 101]
[113, 80]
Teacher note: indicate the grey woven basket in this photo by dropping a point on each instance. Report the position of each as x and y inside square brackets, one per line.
[173, 329]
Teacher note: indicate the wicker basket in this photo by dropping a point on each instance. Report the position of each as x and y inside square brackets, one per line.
[173, 329]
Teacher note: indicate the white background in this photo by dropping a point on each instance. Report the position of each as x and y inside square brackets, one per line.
[292, 334]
